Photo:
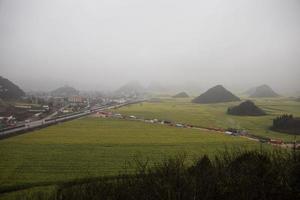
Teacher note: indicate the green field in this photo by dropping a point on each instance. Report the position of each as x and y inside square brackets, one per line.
[214, 115]
[92, 147]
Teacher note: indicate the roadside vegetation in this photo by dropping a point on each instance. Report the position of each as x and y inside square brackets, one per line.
[229, 175]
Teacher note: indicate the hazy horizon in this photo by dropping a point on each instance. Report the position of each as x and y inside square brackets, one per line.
[101, 45]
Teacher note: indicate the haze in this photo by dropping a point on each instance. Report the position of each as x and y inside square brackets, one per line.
[98, 45]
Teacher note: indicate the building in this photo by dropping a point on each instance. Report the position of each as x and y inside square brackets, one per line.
[76, 99]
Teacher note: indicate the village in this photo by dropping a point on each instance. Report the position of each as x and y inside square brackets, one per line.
[35, 108]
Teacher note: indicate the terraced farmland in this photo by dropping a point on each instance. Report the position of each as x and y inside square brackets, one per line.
[214, 115]
[92, 147]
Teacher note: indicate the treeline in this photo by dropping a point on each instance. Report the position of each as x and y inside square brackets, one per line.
[235, 176]
[287, 123]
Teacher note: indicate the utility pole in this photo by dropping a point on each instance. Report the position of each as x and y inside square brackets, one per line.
[295, 142]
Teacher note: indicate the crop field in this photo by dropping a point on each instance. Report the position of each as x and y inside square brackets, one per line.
[214, 115]
[91, 147]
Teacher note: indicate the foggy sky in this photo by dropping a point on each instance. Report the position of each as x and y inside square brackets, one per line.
[101, 44]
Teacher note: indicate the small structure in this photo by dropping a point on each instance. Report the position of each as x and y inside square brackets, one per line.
[118, 115]
[46, 107]
[276, 141]
[179, 125]
[76, 99]
[8, 121]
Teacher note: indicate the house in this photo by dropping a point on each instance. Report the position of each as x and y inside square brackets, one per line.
[76, 99]
[101, 114]
[276, 141]
[23, 106]
[46, 107]
[167, 122]
[58, 101]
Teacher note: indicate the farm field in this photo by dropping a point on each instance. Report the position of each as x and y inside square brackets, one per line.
[91, 147]
[214, 115]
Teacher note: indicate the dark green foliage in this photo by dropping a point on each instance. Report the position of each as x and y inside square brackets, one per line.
[263, 91]
[9, 90]
[247, 108]
[181, 95]
[240, 175]
[217, 94]
[287, 123]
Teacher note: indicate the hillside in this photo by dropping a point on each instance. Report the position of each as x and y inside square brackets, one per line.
[246, 108]
[217, 94]
[263, 91]
[9, 90]
[65, 91]
[181, 95]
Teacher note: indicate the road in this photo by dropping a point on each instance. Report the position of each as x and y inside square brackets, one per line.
[55, 113]
[29, 126]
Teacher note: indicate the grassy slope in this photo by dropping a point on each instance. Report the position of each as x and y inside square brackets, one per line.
[214, 115]
[94, 147]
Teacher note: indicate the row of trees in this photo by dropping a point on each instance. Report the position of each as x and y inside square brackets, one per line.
[286, 122]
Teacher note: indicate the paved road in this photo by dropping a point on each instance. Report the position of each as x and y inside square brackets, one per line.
[47, 122]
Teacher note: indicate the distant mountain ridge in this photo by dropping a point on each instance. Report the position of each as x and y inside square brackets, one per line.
[217, 94]
[9, 90]
[132, 88]
[65, 91]
[181, 95]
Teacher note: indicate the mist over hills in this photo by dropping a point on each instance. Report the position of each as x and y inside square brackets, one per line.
[181, 95]
[65, 91]
[133, 88]
[155, 87]
[262, 91]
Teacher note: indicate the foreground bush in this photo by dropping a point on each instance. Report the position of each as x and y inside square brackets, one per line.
[239, 175]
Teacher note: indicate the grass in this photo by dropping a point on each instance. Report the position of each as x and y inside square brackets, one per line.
[92, 147]
[40, 192]
[250, 174]
[214, 115]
